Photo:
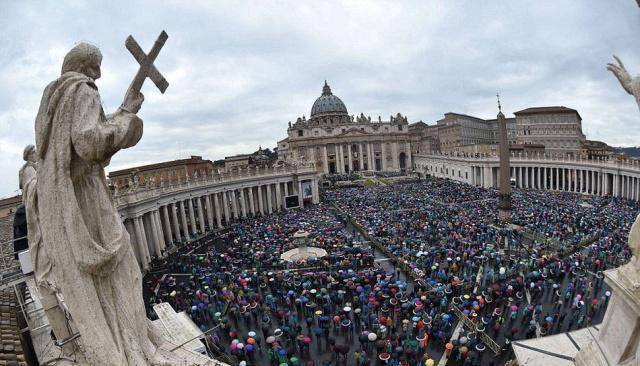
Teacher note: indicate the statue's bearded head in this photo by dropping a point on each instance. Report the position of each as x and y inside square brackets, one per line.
[83, 58]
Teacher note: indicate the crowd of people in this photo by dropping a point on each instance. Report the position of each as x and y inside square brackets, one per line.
[440, 255]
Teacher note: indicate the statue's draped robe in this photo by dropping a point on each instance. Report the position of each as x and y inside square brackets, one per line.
[93, 261]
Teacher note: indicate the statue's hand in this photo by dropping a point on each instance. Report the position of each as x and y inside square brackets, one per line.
[621, 73]
[132, 102]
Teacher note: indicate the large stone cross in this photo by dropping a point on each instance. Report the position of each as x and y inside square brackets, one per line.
[147, 69]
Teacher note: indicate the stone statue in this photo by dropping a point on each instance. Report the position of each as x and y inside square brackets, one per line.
[40, 257]
[92, 260]
[632, 86]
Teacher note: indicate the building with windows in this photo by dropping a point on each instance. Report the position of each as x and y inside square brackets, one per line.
[338, 143]
[458, 132]
[159, 173]
[559, 129]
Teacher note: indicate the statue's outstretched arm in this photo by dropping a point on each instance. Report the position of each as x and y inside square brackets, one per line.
[622, 74]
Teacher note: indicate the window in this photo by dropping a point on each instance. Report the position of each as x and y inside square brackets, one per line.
[399, 127]
[300, 133]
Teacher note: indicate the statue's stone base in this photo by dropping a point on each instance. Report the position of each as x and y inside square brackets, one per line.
[614, 343]
[619, 337]
[47, 351]
[554, 350]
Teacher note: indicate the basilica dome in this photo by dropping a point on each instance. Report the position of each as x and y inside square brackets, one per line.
[328, 103]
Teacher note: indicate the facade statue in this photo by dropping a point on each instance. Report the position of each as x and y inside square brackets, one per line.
[92, 260]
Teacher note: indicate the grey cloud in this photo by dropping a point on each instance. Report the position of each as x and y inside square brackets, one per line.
[240, 71]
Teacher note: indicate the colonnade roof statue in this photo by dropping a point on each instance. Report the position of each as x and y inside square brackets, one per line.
[91, 259]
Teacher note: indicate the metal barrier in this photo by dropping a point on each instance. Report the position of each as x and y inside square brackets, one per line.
[482, 335]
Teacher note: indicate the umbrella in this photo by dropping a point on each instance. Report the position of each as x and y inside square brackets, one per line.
[271, 339]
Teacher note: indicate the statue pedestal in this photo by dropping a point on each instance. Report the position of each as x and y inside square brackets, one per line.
[619, 336]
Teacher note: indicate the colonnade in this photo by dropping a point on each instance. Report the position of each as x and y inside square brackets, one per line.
[179, 218]
[587, 177]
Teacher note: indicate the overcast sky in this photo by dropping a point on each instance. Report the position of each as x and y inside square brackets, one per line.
[239, 72]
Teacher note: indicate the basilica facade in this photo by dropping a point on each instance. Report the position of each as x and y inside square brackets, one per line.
[338, 143]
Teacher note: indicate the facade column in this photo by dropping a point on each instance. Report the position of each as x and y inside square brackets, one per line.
[141, 240]
[207, 202]
[216, 203]
[370, 156]
[167, 225]
[349, 157]
[563, 178]
[286, 188]
[325, 162]
[300, 196]
[383, 158]
[314, 191]
[260, 202]
[251, 203]
[360, 158]
[394, 156]
[339, 159]
[278, 197]
[526, 177]
[538, 178]
[176, 224]
[185, 225]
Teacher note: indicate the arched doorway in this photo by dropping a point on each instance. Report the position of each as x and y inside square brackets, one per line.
[403, 162]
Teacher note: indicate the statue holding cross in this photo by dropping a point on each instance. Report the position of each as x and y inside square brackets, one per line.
[91, 259]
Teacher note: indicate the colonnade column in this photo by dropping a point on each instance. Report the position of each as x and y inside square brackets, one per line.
[260, 202]
[154, 234]
[234, 203]
[201, 215]
[141, 240]
[269, 199]
[207, 202]
[192, 217]
[252, 206]
[225, 206]
[176, 224]
[243, 205]
[185, 225]
[278, 197]
[216, 203]
[167, 225]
